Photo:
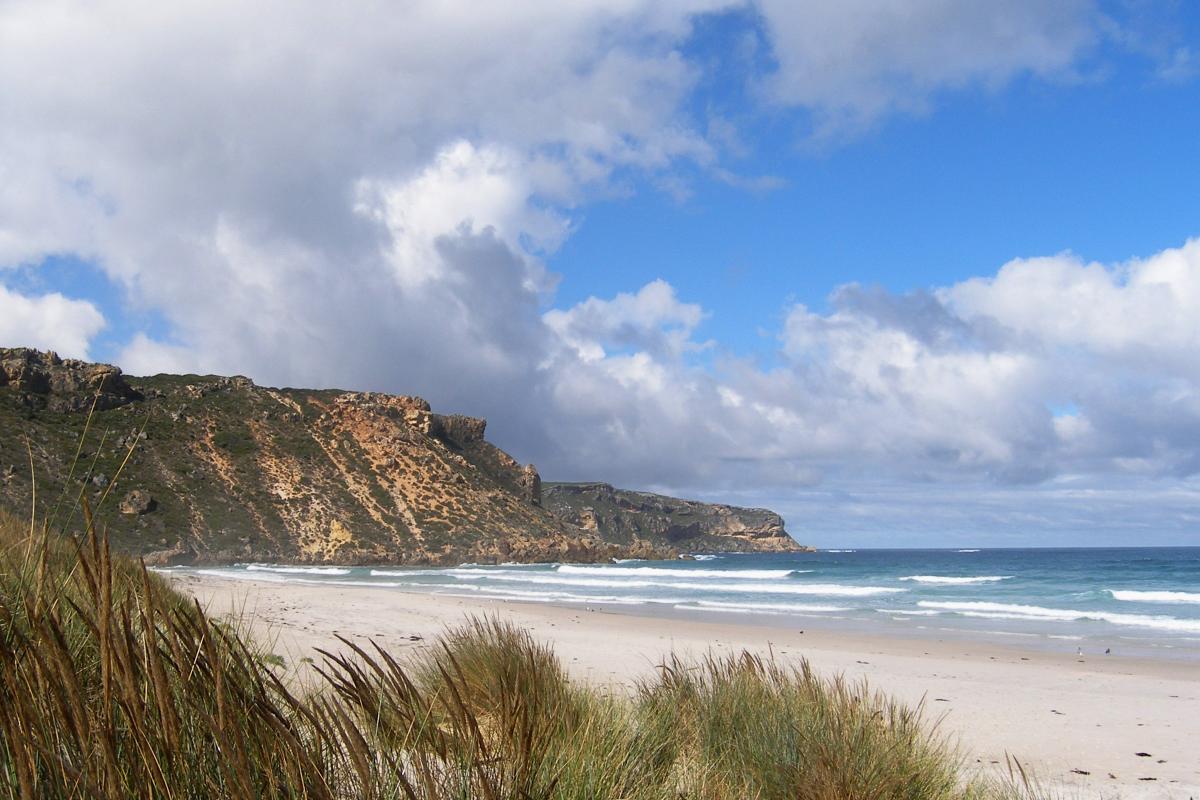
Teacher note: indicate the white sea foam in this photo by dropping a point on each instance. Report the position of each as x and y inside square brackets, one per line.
[1131, 596]
[951, 581]
[551, 595]
[797, 607]
[690, 607]
[841, 551]
[265, 576]
[747, 574]
[242, 575]
[705, 557]
[828, 589]
[968, 550]
[503, 569]
[286, 570]
[1040, 614]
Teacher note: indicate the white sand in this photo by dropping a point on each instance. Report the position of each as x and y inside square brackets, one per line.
[1054, 712]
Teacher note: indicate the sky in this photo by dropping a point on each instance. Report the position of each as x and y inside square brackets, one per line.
[913, 273]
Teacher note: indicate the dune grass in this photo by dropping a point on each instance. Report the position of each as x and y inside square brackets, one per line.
[112, 685]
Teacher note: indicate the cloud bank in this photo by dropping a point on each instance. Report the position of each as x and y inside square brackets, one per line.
[319, 196]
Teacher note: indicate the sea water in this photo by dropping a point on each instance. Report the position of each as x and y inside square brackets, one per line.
[1132, 601]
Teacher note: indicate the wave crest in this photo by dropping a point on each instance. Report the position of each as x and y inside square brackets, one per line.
[286, 570]
[1040, 614]
[669, 572]
[1132, 596]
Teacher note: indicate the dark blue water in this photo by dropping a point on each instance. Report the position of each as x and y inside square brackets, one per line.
[1143, 601]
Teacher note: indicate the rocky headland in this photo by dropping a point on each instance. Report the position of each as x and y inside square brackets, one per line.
[623, 516]
[220, 469]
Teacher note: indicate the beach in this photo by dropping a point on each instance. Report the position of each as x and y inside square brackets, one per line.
[1081, 723]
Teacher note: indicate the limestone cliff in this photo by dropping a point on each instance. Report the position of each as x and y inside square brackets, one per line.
[222, 470]
[617, 515]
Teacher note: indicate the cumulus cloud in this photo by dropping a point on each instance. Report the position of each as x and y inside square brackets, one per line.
[1051, 368]
[49, 321]
[652, 320]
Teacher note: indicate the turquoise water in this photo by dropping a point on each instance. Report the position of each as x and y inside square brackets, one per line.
[1133, 601]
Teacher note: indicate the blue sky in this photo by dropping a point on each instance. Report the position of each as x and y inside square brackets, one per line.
[912, 273]
[1105, 167]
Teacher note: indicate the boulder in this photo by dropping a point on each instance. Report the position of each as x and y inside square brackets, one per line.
[138, 502]
[173, 556]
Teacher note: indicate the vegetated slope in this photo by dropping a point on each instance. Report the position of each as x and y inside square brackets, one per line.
[623, 516]
[223, 470]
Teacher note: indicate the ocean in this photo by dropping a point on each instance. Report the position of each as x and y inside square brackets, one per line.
[1130, 601]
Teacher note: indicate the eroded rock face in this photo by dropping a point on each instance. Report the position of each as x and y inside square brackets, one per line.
[531, 484]
[462, 431]
[170, 557]
[63, 384]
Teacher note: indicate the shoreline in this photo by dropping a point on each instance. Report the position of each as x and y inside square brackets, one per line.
[1055, 712]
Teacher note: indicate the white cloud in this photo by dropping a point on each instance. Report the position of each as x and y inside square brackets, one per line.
[854, 62]
[1141, 310]
[1050, 369]
[653, 320]
[49, 322]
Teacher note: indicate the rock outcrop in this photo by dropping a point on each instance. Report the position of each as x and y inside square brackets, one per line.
[43, 380]
[220, 470]
[618, 515]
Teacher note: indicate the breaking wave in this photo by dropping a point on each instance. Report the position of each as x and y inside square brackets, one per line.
[1041, 614]
[1131, 596]
[747, 574]
[298, 570]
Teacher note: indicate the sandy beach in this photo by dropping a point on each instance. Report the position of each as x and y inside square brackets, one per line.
[1094, 726]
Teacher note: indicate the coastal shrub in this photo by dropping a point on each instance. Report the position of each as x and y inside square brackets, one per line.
[752, 728]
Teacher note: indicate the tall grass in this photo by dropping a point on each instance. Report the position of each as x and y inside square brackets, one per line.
[114, 686]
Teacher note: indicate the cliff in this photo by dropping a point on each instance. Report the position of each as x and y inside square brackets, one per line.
[617, 515]
[223, 470]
